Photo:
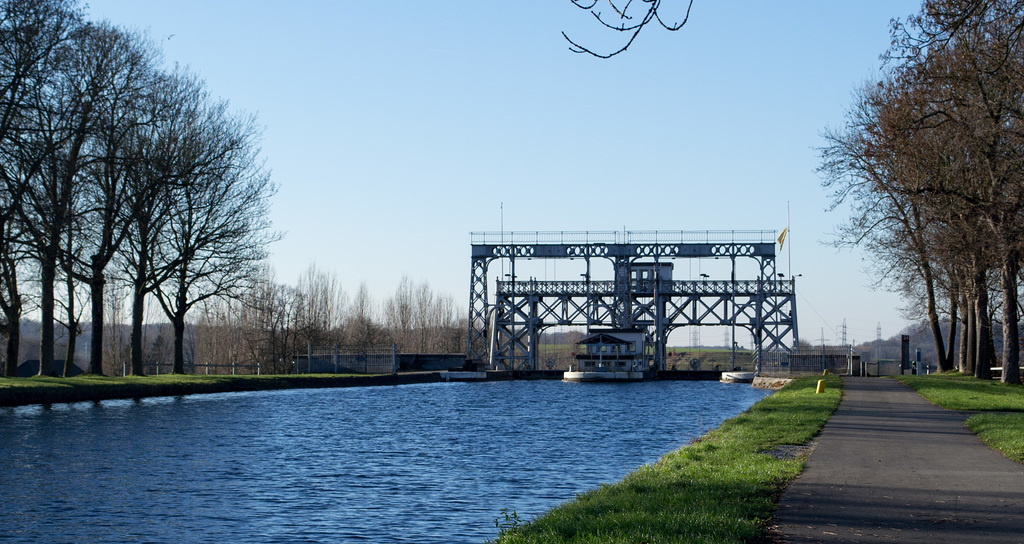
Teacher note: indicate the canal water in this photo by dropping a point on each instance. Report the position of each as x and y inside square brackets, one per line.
[431, 463]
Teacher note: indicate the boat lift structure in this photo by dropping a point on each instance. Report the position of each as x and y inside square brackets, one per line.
[504, 330]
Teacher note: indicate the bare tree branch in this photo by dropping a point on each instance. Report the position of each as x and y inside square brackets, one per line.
[625, 23]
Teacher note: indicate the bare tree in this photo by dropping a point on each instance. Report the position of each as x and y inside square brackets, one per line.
[125, 106]
[62, 124]
[363, 328]
[398, 315]
[72, 313]
[116, 335]
[165, 153]
[320, 305]
[934, 158]
[878, 164]
[218, 229]
[268, 318]
[32, 34]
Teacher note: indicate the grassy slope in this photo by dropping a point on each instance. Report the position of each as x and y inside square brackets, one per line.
[1003, 432]
[720, 489]
[40, 390]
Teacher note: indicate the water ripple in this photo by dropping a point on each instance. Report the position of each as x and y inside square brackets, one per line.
[432, 463]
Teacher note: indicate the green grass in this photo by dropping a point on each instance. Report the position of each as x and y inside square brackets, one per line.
[45, 390]
[956, 391]
[720, 489]
[1003, 432]
[710, 359]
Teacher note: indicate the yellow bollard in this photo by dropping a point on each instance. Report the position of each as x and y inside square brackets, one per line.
[825, 373]
[821, 387]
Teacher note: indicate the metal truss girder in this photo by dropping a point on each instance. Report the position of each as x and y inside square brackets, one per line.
[765, 305]
[630, 251]
[476, 347]
[664, 287]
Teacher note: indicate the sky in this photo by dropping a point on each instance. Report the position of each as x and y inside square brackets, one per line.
[395, 129]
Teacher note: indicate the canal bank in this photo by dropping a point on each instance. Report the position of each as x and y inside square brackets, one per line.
[721, 488]
[52, 390]
[46, 390]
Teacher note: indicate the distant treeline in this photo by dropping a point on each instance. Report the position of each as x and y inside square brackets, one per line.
[273, 322]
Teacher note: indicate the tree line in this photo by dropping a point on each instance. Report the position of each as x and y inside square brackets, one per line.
[274, 322]
[121, 179]
[931, 165]
[113, 167]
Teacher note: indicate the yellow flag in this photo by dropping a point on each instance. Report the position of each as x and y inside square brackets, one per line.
[782, 237]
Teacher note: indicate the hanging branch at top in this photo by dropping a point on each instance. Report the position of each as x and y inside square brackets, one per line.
[625, 22]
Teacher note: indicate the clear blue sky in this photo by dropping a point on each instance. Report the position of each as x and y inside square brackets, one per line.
[396, 128]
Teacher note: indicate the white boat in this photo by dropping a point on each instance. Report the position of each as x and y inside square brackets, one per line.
[602, 376]
[737, 377]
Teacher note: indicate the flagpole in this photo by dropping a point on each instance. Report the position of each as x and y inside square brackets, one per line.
[789, 265]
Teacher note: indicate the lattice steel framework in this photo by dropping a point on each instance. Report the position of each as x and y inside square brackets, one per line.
[504, 333]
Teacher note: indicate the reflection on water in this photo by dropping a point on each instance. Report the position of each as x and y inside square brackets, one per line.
[417, 463]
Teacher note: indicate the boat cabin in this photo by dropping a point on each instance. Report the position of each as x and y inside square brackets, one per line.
[613, 351]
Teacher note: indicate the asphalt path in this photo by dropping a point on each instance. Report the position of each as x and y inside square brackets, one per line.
[891, 467]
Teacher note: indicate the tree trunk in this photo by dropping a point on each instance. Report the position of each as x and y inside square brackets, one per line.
[138, 307]
[96, 288]
[47, 277]
[933, 317]
[983, 360]
[13, 343]
[969, 336]
[69, 353]
[178, 322]
[1011, 338]
[948, 363]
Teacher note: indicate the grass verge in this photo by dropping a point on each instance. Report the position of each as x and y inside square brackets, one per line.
[43, 390]
[955, 391]
[720, 489]
[1003, 432]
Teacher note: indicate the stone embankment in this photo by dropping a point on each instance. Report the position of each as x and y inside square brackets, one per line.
[761, 382]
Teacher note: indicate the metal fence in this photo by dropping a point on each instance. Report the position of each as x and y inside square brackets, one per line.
[835, 359]
[339, 359]
[881, 367]
[196, 368]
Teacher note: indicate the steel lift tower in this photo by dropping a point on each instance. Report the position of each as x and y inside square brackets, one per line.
[504, 330]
